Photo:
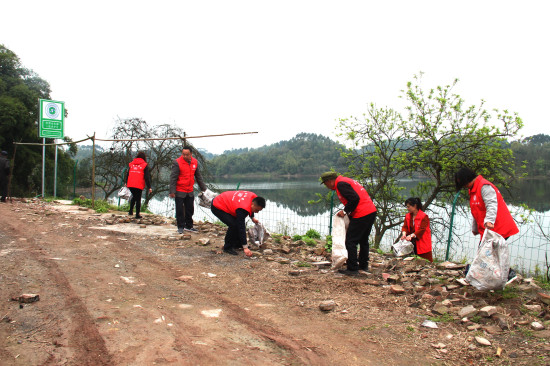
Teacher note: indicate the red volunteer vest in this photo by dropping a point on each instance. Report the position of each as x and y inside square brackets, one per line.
[186, 179]
[136, 175]
[230, 201]
[504, 223]
[423, 243]
[365, 205]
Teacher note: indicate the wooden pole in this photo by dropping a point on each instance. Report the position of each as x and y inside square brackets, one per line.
[93, 171]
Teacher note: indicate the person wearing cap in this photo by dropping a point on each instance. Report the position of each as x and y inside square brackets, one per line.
[4, 174]
[361, 212]
[232, 208]
[185, 170]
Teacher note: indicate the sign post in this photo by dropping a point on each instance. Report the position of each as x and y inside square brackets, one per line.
[51, 125]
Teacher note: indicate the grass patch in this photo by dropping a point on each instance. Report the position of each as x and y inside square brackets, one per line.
[100, 206]
[303, 264]
[309, 241]
[444, 318]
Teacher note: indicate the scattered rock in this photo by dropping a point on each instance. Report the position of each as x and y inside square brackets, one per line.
[203, 241]
[537, 326]
[429, 324]
[327, 305]
[440, 309]
[142, 226]
[372, 282]
[544, 297]
[26, 298]
[467, 311]
[397, 290]
[482, 341]
[536, 308]
[487, 311]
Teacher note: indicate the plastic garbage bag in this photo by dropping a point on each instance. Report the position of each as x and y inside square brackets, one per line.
[257, 234]
[124, 192]
[339, 251]
[402, 248]
[489, 270]
[206, 197]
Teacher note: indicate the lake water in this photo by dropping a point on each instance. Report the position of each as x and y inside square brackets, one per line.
[288, 211]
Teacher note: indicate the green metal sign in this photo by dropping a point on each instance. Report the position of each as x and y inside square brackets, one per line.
[52, 115]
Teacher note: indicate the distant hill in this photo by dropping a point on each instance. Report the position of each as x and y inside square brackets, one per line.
[304, 154]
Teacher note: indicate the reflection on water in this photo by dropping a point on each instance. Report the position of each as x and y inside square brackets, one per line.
[293, 194]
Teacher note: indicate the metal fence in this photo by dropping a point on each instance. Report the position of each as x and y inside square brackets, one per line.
[527, 249]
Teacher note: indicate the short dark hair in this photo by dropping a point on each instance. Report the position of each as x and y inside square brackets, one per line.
[464, 176]
[141, 154]
[187, 147]
[414, 201]
[260, 201]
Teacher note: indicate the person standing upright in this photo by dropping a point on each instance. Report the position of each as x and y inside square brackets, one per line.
[185, 170]
[139, 175]
[361, 212]
[4, 174]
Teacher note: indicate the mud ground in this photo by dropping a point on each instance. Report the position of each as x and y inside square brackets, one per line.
[125, 295]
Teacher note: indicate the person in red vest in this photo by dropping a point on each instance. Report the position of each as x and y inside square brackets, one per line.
[416, 229]
[137, 178]
[185, 170]
[232, 208]
[361, 212]
[488, 207]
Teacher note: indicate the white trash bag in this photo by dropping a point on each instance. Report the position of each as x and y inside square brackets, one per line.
[206, 198]
[125, 193]
[257, 234]
[489, 270]
[339, 251]
[402, 248]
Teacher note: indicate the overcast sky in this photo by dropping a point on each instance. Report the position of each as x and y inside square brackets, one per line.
[276, 67]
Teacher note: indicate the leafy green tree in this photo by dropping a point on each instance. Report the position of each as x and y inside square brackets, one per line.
[20, 90]
[438, 136]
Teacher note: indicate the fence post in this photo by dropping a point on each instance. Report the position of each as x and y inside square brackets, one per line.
[74, 178]
[330, 219]
[451, 226]
[121, 183]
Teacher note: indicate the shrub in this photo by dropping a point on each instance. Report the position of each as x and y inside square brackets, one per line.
[314, 234]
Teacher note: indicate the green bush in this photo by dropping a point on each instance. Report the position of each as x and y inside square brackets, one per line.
[314, 234]
[297, 237]
[309, 241]
[328, 244]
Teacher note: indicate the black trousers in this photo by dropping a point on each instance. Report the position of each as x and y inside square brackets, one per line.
[3, 189]
[185, 208]
[136, 200]
[358, 233]
[232, 235]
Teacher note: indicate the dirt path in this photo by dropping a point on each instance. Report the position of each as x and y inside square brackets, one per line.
[140, 298]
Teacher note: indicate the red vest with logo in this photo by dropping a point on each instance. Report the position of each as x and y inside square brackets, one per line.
[365, 205]
[186, 179]
[424, 242]
[504, 223]
[230, 201]
[136, 175]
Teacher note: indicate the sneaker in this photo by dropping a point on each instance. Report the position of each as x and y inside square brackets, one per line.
[230, 251]
[130, 213]
[180, 230]
[139, 217]
[348, 272]
[193, 230]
